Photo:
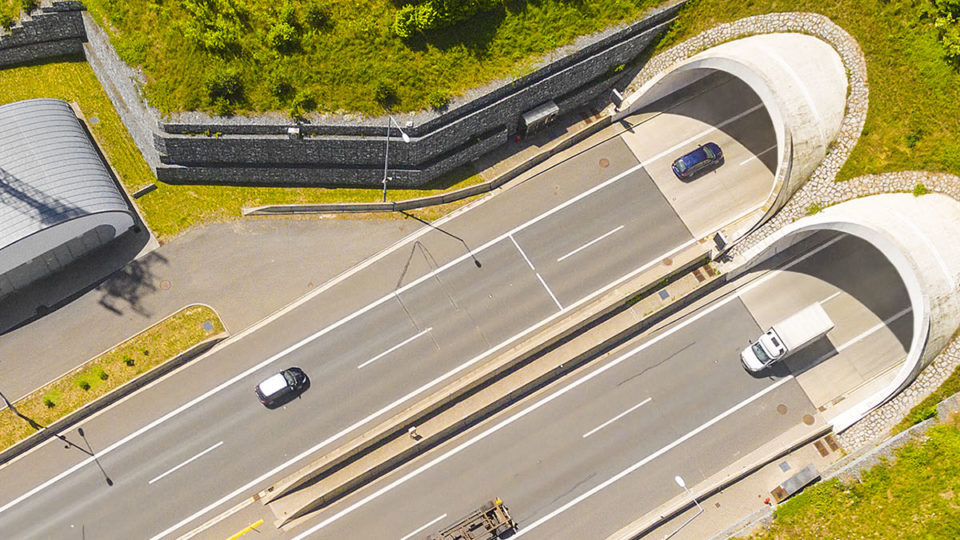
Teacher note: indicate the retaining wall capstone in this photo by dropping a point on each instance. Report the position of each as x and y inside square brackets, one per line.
[51, 31]
[347, 150]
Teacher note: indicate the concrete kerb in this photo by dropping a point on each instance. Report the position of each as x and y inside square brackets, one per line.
[111, 397]
[732, 474]
[435, 200]
[465, 386]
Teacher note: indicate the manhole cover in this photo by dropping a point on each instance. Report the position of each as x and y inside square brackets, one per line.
[808, 420]
[668, 261]
[164, 285]
[604, 163]
[782, 409]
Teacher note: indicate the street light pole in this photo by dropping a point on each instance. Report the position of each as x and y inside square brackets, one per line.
[683, 484]
[386, 154]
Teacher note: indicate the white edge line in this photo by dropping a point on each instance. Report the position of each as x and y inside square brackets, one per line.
[544, 283]
[717, 127]
[423, 527]
[198, 456]
[526, 529]
[756, 156]
[414, 393]
[615, 418]
[476, 438]
[590, 243]
[863, 335]
[395, 347]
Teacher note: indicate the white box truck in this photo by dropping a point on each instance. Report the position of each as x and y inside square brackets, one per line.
[787, 337]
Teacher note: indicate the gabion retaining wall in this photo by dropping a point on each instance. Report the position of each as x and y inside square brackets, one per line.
[52, 31]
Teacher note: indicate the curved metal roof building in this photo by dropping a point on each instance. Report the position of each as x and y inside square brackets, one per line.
[58, 199]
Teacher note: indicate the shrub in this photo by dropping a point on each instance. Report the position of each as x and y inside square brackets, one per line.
[303, 103]
[814, 208]
[49, 400]
[384, 94]
[223, 83]
[316, 16]
[288, 14]
[100, 373]
[128, 361]
[215, 25]
[438, 100]
[83, 384]
[405, 22]
[6, 20]
[947, 22]
[28, 5]
[283, 37]
[279, 85]
[919, 190]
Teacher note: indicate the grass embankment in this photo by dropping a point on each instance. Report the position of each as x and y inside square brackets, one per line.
[914, 110]
[171, 209]
[9, 12]
[108, 371]
[928, 407]
[915, 496]
[335, 54]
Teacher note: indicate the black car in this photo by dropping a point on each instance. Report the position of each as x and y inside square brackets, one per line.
[280, 388]
[705, 157]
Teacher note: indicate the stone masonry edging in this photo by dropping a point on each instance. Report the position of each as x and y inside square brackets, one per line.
[821, 189]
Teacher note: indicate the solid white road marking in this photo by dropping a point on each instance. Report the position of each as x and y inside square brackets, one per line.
[527, 528]
[590, 243]
[544, 283]
[395, 347]
[863, 335]
[756, 156]
[700, 135]
[547, 399]
[615, 418]
[413, 533]
[208, 450]
[396, 403]
[514, 240]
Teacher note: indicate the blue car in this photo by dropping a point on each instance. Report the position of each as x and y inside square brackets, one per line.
[705, 157]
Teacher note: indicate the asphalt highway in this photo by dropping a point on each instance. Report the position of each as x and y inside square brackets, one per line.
[586, 458]
[197, 442]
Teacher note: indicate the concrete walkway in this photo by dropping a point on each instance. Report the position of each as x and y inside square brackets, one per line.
[245, 270]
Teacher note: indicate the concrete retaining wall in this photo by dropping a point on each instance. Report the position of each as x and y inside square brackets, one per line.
[52, 31]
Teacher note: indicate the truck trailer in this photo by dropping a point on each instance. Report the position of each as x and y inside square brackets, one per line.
[786, 337]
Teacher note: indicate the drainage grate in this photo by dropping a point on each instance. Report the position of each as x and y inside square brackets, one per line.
[604, 163]
[664, 294]
[832, 442]
[700, 277]
[821, 448]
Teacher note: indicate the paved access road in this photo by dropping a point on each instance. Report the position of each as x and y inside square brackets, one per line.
[197, 442]
[590, 456]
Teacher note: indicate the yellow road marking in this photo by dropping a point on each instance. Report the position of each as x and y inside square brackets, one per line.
[248, 529]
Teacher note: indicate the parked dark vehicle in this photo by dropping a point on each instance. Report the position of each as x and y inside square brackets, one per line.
[705, 157]
[280, 388]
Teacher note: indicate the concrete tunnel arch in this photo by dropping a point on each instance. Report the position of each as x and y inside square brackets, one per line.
[801, 81]
[918, 237]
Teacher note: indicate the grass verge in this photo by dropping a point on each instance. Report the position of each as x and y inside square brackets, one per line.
[170, 209]
[928, 407]
[108, 371]
[914, 110]
[915, 496]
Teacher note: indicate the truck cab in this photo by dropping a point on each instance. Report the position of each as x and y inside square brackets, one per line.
[786, 337]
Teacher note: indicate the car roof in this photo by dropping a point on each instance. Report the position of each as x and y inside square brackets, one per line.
[694, 157]
[272, 384]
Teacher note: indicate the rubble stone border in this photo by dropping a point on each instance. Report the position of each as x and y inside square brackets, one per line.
[822, 190]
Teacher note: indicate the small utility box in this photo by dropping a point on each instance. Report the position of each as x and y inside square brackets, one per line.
[540, 117]
[795, 483]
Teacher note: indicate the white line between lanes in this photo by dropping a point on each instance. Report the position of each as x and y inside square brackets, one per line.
[527, 528]
[547, 399]
[544, 283]
[208, 450]
[175, 412]
[424, 526]
[520, 249]
[590, 243]
[689, 140]
[617, 417]
[756, 156]
[395, 347]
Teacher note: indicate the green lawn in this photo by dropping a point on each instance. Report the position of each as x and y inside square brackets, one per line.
[914, 116]
[338, 63]
[171, 209]
[917, 496]
[139, 354]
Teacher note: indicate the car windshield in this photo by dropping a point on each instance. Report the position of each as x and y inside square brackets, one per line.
[760, 353]
[289, 377]
[709, 152]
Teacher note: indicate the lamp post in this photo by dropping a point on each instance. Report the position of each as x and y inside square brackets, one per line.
[386, 154]
[683, 484]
